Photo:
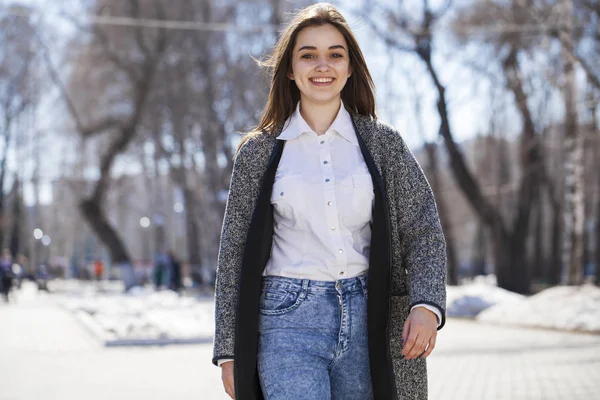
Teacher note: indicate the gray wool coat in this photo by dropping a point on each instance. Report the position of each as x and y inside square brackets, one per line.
[407, 263]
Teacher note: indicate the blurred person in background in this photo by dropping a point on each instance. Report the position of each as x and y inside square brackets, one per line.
[175, 269]
[160, 266]
[98, 270]
[332, 262]
[42, 276]
[28, 272]
[6, 273]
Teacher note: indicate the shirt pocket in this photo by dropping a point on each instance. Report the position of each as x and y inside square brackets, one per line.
[287, 199]
[358, 198]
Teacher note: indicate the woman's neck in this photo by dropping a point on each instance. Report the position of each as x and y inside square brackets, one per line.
[319, 116]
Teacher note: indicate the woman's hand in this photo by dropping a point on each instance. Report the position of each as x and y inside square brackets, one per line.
[227, 377]
[419, 333]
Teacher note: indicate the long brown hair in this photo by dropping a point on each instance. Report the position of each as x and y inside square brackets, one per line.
[358, 94]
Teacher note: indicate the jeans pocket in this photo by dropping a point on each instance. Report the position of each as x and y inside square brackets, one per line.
[277, 301]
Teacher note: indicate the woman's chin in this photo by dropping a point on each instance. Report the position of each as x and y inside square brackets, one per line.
[322, 98]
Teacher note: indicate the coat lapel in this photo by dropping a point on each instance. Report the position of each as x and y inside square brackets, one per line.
[380, 268]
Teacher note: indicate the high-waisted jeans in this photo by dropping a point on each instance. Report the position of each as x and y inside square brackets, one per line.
[313, 339]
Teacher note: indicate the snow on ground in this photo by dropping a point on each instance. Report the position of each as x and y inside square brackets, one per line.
[143, 314]
[561, 307]
[471, 298]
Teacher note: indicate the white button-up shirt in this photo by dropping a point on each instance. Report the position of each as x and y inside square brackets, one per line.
[322, 203]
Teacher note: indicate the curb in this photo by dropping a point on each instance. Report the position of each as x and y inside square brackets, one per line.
[92, 327]
[156, 342]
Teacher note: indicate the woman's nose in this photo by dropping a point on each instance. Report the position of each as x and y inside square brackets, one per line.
[322, 66]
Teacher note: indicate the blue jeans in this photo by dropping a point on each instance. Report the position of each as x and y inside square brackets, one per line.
[313, 339]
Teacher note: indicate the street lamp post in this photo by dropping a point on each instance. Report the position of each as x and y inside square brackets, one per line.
[38, 234]
[145, 245]
[45, 240]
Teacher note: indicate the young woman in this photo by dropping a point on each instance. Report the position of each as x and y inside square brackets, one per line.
[331, 271]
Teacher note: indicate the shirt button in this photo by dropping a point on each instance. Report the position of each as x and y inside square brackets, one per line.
[325, 162]
[281, 194]
[327, 180]
[329, 203]
[322, 142]
[333, 228]
[341, 272]
[340, 251]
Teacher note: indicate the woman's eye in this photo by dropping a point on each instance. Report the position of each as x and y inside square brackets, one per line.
[306, 56]
[337, 55]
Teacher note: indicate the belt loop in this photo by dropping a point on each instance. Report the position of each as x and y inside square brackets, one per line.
[304, 288]
[364, 284]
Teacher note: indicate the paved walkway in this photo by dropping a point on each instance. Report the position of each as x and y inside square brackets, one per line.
[45, 354]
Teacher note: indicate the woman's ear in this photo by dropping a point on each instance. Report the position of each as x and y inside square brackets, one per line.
[291, 76]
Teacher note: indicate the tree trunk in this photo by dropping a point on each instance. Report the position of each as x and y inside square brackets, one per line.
[597, 230]
[436, 184]
[18, 220]
[574, 202]
[538, 260]
[95, 216]
[193, 235]
[6, 133]
[597, 168]
[555, 263]
[555, 272]
[431, 149]
[479, 251]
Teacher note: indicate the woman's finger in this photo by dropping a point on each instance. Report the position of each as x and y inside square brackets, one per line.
[230, 390]
[419, 346]
[412, 343]
[430, 346]
[406, 331]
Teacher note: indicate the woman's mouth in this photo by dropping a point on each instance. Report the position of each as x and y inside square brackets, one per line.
[321, 81]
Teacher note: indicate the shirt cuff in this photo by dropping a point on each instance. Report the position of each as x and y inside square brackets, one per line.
[223, 360]
[430, 308]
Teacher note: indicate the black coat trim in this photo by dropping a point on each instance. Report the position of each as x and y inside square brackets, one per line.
[380, 278]
[256, 255]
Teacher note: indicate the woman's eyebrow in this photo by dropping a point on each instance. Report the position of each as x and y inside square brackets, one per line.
[336, 46]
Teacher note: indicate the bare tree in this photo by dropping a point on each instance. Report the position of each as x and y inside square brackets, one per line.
[508, 238]
[134, 76]
[17, 86]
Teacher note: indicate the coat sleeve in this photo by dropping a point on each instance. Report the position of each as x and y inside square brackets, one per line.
[241, 200]
[423, 246]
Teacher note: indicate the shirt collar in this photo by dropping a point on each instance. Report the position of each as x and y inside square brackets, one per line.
[342, 124]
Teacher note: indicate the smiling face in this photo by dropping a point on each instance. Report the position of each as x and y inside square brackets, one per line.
[320, 64]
